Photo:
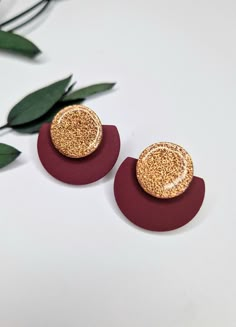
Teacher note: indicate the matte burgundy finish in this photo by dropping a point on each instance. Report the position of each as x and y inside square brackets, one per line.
[84, 170]
[149, 212]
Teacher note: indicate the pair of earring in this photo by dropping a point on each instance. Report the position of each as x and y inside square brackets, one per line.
[158, 192]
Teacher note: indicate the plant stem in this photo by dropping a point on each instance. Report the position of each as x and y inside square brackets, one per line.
[4, 126]
[47, 3]
[22, 13]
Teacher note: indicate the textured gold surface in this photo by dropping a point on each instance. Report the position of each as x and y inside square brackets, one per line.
[164, 170]
[76, 131]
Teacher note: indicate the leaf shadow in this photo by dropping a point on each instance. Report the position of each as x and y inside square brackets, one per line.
[5, 132]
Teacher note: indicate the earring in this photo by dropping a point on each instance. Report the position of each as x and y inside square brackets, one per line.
[159, 191]
[76, 148]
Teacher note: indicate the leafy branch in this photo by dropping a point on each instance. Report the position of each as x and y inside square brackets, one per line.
[15, 43]
[40, 106]
[28, 115]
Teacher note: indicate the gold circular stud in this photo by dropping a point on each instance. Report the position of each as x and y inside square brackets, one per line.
[76, 131]
[164, 170]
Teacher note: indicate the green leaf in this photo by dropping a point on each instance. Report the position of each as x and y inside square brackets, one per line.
[34, 126]
[88, 91]
[37, 104]
[18, 44]
[7, 154]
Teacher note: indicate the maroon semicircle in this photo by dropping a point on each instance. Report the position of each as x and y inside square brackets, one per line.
[84, 170]
[149, 212]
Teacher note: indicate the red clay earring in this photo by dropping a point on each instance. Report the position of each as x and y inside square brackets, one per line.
[76, 148]
[159, 191]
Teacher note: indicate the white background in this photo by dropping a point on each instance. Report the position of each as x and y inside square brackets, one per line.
[68, 257]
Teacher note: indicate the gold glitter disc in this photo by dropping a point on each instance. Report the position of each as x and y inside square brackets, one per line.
[164, 170]
[76, 131]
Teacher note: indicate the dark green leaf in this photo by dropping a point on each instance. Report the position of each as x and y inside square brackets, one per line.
[34, 126]
[88, 91]
[18, 44]
[7, 154]
[37, 104]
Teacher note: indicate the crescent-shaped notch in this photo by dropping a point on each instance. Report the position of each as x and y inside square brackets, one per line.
[149, 212]
[83, 170]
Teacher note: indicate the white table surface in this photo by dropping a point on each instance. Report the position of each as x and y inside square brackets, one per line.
[68, 256]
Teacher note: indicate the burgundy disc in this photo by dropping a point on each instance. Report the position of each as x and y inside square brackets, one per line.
[149, 212]
[83, 170]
